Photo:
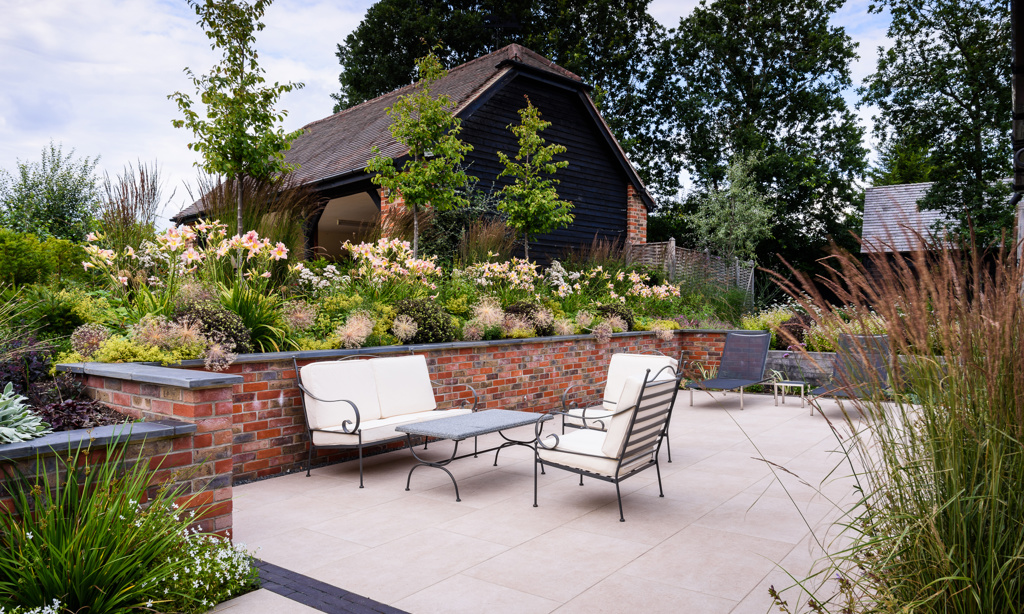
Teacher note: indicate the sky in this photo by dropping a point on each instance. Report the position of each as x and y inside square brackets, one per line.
[94, 75]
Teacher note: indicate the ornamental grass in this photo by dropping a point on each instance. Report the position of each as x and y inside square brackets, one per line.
[939, 525]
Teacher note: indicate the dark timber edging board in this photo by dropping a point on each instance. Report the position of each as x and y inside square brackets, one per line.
[316, 594]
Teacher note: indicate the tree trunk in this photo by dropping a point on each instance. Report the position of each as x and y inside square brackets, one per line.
[526, 247]
[238, 187]
[415, 231]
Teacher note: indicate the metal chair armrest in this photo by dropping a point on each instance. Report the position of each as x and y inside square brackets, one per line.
[476, 398]
[461, 402]
[565, 396]
[345, 424]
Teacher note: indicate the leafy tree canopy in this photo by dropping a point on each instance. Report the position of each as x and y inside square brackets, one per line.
[943, 88]
[767, 78]
[432, 173]
[610, 44]
[902, 162]
[55, 197]
[531, 202]
[732, 220]
[239, 135]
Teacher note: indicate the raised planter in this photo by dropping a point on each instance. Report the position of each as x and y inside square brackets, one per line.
[167, 444]
[250, 416]
[812, 367]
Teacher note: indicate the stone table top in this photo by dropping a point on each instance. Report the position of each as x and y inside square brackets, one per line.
[471, 425]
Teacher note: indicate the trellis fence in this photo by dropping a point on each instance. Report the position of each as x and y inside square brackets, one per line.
[681, 263]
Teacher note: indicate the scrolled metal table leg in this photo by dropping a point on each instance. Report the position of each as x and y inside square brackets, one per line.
[439, 465]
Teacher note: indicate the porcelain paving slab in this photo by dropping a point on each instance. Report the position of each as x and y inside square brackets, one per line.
[464, 595]
[714, 543]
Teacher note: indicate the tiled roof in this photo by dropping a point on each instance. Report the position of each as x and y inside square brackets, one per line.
[342, 143]
[892, 217]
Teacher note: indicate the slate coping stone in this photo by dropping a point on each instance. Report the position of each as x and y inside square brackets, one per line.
[420, 347]
[67, 441]
[154, 374]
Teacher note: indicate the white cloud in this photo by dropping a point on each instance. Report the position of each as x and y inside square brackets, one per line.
[95, 75]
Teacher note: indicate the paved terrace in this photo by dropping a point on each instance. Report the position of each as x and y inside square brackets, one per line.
[726, 530]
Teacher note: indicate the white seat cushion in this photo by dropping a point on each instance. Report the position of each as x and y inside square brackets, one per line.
[379, 430]
[583, 441]
[623, 366]
[403, 385]
[349, 379]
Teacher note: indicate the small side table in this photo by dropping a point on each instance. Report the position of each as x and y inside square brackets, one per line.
[790, 384]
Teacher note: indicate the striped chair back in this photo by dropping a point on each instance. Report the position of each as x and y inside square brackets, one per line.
[646, 423]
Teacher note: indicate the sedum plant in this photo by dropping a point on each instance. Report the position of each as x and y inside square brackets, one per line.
[17, 422]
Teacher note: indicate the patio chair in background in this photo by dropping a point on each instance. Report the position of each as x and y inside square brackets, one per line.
[620, 367]
[742, 364]
[629, 444]
[860, 369]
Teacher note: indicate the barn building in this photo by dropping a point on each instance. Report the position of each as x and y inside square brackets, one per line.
[610, 201]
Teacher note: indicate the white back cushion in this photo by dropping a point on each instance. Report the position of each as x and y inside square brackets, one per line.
[623, 366]
[349, 379]
[618, 426]
[403, 385]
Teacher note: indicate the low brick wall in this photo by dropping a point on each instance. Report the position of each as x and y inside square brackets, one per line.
[170, 445]
[250, 417]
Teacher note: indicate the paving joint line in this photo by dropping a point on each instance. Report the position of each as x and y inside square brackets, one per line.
[316, 594]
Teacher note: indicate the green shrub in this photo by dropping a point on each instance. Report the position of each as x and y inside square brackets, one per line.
[65, 259]
[542, 319]
[121, 349]
[23, 259]
[261, 314]
[769, 319]
[216, 322]
[17, 422]
[434, 325]
[55, 314]
[822, 335]
[80, 534]
[332, 313]
[623, 312]
[383, 319]
[313, 343]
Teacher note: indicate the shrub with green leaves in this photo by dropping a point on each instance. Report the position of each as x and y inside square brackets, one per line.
[216, 322]
[433, 324]
[82, 535]
[621, 311]
[23, 258]
[769, 319]
[260, 313]
[17, 422]
[540, 318]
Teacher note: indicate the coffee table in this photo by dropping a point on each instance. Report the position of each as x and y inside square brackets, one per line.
[459, 428]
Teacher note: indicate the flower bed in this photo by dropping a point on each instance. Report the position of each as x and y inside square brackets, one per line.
[195, 293]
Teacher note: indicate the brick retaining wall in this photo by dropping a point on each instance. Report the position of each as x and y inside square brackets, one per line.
[172, 446]
[255, 424]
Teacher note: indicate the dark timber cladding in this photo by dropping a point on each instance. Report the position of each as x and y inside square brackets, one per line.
[486, 94]
[594, 180]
